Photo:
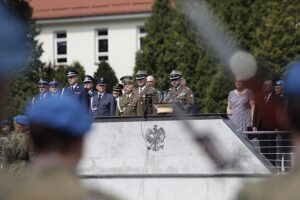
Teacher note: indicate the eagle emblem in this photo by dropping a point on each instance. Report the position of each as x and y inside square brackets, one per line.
[155, 138]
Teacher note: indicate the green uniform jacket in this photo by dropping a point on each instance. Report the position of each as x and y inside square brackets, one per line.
[52, 183]
[275, 188]
[16, 152]
[140, 100]
[126, 106]
[184, 96]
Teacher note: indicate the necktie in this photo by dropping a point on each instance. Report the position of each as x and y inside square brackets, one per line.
[140, 90]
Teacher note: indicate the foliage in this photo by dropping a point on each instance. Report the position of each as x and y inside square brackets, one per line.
[105, 71]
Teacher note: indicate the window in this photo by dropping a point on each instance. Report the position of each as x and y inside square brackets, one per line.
[60, 48]
[101, 45]
[141, 34]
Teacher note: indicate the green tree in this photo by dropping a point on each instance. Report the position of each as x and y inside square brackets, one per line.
[105, 71]
[169, 45]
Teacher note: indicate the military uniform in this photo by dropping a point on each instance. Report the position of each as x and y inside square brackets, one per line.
[127, 105]
[54, 182]
[41, 96]
[103, 105]
[16, 152]
[141, 99]
[182, 95]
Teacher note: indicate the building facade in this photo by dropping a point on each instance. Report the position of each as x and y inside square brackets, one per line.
[88, 32]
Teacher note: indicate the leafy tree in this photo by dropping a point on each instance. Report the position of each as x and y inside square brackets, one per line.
[105, 71]
[169, 45]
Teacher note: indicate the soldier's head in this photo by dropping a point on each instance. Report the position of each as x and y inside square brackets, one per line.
[101, 85]
[57, 127]
[21, 123]
[175, 78]
[128, 87]
[88, 82]
[53, 86]
[151, 81]
[140, 77]
[43, 86]
[72, 76]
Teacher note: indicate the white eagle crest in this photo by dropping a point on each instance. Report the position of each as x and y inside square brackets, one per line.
[155, 138]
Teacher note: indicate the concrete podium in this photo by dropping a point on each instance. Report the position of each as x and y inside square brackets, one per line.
[161, 158]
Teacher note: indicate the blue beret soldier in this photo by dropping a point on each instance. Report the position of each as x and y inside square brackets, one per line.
[57, 130]
[16, 150]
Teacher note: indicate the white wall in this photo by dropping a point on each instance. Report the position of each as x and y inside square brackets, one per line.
[81, 41]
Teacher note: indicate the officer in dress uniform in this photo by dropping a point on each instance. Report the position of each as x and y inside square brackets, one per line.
[16, 148]
[43, 92]
[283, 187]
[57, 127]
[146, 95]
[88, 84]
[126, 106]
[74, 90]
[102, 103]
[53, 89]
[182, 96]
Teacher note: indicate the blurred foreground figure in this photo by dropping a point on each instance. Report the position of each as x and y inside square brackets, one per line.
[283, 187]
[58, 127]
[16, 148]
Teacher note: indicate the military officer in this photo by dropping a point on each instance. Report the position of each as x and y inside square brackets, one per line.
[283, 187]
[126, 106]
[74, 90]
[53, 89]
[179, 94]
[4, 127]
[57, 140]
[146, 95]
[88, 84]
[43, 92]
[16, 150]
[102, 103]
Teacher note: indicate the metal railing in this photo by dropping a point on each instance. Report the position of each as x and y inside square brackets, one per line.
[276, 146]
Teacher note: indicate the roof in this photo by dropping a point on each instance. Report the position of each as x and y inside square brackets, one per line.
[57, 9]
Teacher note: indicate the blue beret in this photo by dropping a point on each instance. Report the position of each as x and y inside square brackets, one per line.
[71, 73]
[4, 122]
[21, 119]
[65, 115]
[54, 83]
[292, 78]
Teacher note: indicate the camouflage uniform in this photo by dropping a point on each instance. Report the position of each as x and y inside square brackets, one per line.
[16, 152]
[141, 98]
[3, 141]
[127, 106]
[47, 183]
[183, 95]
